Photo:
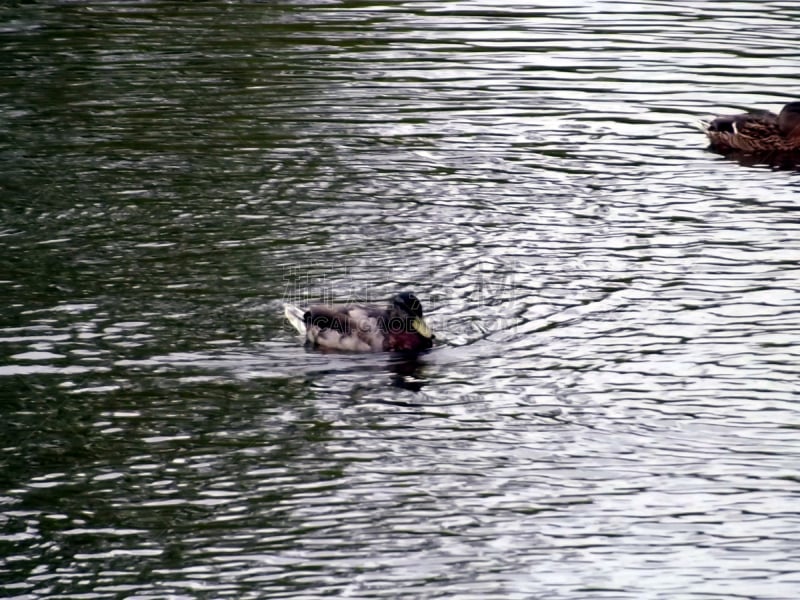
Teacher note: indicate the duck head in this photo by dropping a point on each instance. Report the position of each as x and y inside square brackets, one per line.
[789, 120]
[408, 304]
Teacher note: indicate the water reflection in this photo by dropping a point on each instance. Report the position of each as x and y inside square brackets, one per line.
[407, 372]
[779, 161]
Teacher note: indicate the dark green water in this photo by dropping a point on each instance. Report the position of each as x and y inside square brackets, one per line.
[612, 409]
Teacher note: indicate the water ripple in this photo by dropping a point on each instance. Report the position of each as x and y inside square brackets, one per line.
[611, 409]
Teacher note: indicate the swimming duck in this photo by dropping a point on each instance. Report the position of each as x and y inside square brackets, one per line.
[364, 328]
[756, 132]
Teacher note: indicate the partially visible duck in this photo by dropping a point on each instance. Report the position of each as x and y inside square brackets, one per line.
[756, 132]
[398, 327]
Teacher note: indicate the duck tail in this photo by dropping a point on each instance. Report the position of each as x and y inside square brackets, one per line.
[702, 125]
[295, 316]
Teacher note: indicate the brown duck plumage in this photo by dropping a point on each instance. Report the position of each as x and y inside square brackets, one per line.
[364, 328]
[757, 132]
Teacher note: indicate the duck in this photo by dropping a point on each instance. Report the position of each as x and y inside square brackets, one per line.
[756, 131]
[398, 327]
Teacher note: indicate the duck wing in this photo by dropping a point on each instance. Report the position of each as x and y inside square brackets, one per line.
[354, 327]
[749, 132]
[755, 123]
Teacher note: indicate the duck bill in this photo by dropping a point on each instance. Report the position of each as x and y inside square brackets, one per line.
[421, 327]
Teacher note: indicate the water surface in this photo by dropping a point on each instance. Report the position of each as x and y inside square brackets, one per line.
[612, 409]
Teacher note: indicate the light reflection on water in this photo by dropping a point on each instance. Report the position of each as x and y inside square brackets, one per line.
[611, 409]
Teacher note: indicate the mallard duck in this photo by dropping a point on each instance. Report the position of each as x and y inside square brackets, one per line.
[364, 328]
[756, 132]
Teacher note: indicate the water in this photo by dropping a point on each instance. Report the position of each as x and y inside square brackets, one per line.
[612, 409]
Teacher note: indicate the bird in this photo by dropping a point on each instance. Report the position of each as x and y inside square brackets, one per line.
[756, 132]
[398, 327]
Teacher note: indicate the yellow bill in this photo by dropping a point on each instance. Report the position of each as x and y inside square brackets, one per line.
[421, 327]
